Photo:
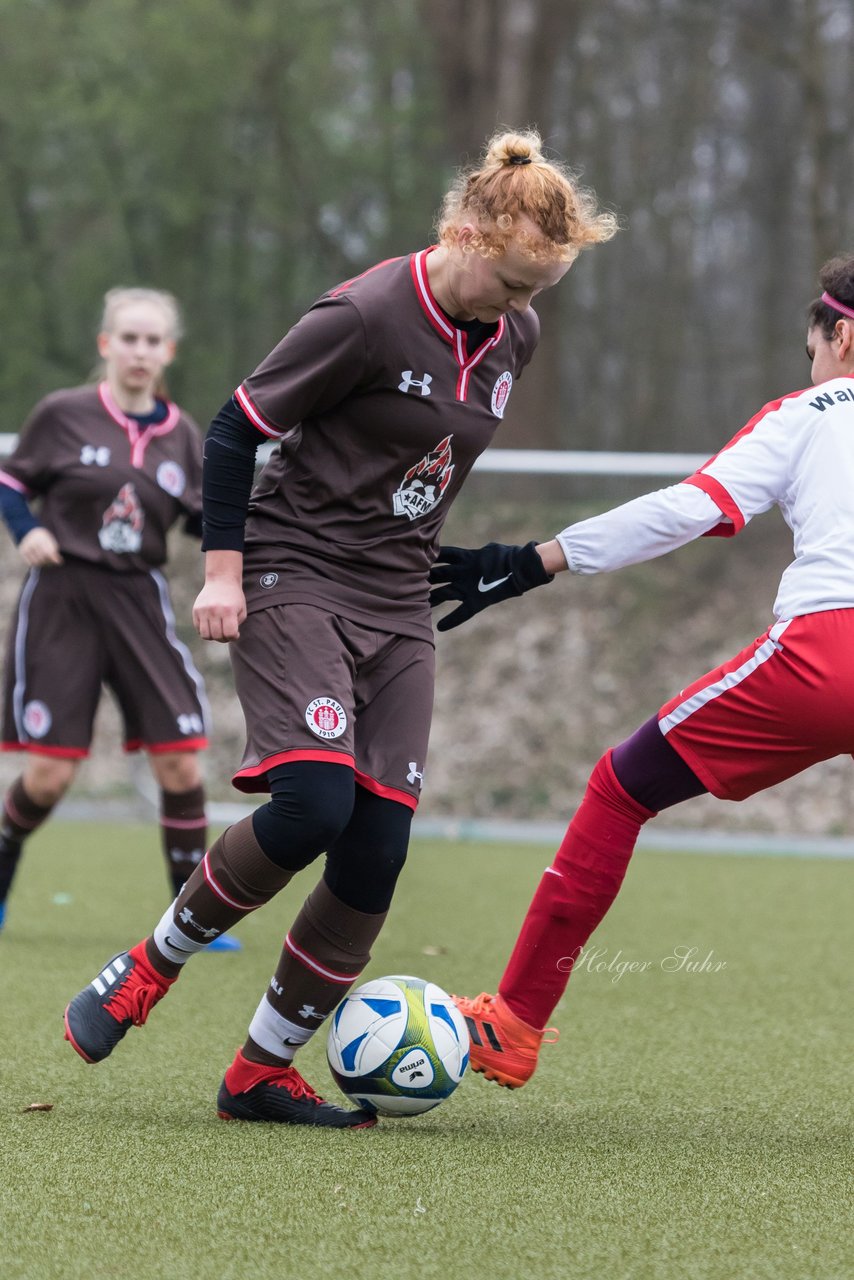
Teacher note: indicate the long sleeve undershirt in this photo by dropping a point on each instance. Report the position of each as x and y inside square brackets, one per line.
[227, 477]
[15, 512]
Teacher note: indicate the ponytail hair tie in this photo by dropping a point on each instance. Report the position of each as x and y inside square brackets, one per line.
[520, 160]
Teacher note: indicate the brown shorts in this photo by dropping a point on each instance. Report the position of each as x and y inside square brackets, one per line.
[79, 627]
[317, 687]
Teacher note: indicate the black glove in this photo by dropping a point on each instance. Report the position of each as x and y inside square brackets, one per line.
[483, 577]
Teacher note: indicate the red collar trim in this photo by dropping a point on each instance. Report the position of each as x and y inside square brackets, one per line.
[138, 437]
[434, 313]
[440, 322]
[456, 338]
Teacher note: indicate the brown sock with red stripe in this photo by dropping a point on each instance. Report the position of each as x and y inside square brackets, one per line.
[21, 817]
[233, 878]
[327, 948]
[184, 831]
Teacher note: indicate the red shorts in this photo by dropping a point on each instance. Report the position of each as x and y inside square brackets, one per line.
[782, 704]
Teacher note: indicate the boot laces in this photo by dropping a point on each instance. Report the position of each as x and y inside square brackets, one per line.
[134, 1000]
[289, 1078]
[478, 1006]
[482, 1006]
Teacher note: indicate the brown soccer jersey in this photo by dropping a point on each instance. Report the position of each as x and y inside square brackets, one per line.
[110, 489]
[381, 411]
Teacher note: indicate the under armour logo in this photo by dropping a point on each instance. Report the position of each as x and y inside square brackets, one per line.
[95, 456]
[414, 775]
[309, 1011]
[186, 917]
[409, 381]
[190, 723]
[182, 855]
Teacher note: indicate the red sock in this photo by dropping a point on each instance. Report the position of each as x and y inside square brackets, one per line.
[139, 953]
[243, 1075]
[573, 896]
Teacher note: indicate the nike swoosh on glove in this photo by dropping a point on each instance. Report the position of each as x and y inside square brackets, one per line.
[479, 578]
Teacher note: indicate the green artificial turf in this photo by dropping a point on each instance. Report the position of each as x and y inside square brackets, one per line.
[689, 1124]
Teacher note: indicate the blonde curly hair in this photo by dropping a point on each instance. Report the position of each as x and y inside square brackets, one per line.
[515, 181]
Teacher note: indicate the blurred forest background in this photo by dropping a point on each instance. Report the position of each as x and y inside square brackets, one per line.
[248, 154]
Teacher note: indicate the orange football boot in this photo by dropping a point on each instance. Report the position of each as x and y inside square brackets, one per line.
[503, 1047]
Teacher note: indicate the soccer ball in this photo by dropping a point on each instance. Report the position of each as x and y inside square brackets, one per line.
[397, 1046]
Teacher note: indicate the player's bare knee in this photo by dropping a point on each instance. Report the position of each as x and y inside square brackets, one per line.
[47, 778]
[177, 770]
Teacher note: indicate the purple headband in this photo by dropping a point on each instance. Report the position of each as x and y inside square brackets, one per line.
[838, 306]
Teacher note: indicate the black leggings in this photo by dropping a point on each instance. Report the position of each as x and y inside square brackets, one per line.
[317, 807]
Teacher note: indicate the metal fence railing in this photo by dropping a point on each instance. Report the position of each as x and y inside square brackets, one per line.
[548, 462]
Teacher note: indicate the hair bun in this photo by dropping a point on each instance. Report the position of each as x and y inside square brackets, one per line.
[513, 147]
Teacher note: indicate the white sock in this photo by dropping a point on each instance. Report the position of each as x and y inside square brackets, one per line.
[276, 1034]
[172, 943]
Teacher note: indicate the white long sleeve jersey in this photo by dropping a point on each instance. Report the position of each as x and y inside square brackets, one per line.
[797, 452]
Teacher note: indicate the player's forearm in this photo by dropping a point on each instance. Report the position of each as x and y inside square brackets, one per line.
[224, 567]
[639, 530]
[552, 556]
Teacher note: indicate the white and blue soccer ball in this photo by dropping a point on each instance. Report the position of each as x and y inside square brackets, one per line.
[397, 1046]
